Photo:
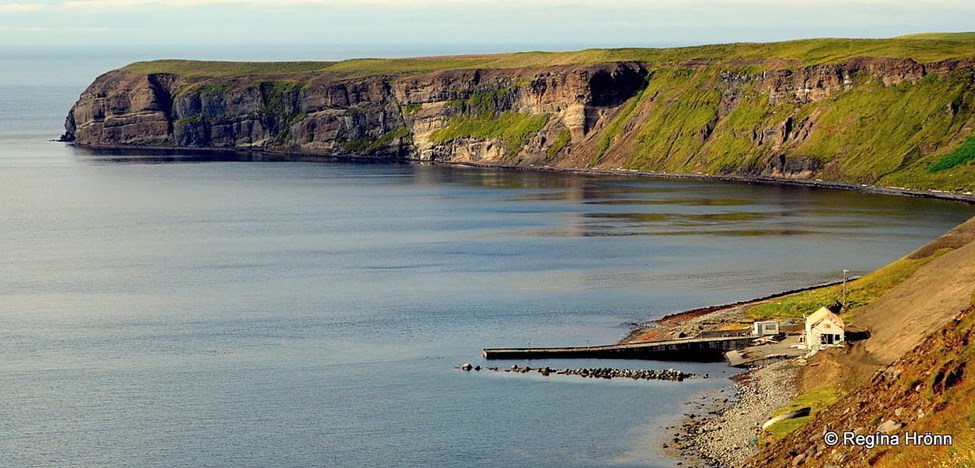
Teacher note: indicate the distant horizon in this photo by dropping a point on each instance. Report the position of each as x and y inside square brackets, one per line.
[462, 26]
[340, 52]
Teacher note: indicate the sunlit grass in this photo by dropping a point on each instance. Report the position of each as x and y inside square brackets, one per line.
[817, 399]
[512, 128]
[859, 293]
[923, 48]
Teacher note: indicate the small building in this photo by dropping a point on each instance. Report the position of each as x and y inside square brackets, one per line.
[765, 328]
[824, 329]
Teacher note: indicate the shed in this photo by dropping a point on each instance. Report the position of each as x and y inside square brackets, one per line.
[765, 328]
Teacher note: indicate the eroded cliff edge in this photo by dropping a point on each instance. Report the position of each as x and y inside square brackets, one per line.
[896, 121]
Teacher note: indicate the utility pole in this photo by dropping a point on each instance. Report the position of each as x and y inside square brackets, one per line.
[846, 275]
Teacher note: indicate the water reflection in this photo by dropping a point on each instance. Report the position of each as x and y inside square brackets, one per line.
[186, 156]
[575, 205]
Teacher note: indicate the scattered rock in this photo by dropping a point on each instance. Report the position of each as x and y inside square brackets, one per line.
[889, 426]
[599, 373]
[729, 437]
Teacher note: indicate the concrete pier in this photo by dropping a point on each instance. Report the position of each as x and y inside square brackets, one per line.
[694, 349]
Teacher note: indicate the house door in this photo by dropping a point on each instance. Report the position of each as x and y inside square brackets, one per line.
[826, 338]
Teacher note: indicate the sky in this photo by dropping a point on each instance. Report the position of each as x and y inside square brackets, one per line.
[421, 27]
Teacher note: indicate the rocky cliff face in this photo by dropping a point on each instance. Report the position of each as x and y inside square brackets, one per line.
[374, 116]
[772, 118]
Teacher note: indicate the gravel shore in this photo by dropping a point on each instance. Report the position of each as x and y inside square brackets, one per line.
[723, 430]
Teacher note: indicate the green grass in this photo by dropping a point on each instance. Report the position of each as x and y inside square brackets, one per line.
[614, 127]
[213, 69]
[411, 109]
[869, 144]
[817, 399]
[367, 145]
[206, 89]
[859, 293]
[512, 128]
[563, 140]
[685, 101]
[923, 48]
[853, 136]
[483, 102]
[964, 154]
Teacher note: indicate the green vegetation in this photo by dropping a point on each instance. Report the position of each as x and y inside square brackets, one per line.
[617, 124]
[859, 293]
[816, 399]
[687, 127]
[480, 120]
[923, 48]
[964, 154]
[366, 145]
[195, 68]
[685, 103]
[411, 109]
[512, 128]
[193, 119]
[207, 89]
[276, 87]
[278, 106]
[562, 140]
[869, 143]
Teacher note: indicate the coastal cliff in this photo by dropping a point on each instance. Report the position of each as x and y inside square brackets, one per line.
[897, 112]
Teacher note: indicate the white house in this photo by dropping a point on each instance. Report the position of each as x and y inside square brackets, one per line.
[823, 329]
[765, 328]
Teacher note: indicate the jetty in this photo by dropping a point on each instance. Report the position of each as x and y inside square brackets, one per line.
[691, 349]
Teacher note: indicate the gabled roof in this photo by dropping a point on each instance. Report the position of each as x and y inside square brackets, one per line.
[824, 314]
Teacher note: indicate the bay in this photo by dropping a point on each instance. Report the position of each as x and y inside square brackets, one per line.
[208, 311]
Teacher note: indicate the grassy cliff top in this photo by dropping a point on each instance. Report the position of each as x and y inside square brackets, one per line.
[923, 48]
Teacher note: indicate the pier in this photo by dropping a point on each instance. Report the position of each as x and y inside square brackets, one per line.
[693, 349]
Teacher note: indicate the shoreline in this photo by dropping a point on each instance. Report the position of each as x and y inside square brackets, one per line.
[648, 328]
[721, 427]
[258, 154]
[723, 431]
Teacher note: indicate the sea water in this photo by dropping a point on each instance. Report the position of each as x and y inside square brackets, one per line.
[205, 311]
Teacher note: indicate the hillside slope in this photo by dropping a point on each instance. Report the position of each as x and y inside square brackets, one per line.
[897, 112]
[918, 307]
[929, 390]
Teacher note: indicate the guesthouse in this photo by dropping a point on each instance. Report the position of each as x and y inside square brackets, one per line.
[823, 329]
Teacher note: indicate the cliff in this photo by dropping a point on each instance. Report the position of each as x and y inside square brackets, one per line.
[897, 112]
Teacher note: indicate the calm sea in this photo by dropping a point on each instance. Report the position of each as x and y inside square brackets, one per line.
[198, 312]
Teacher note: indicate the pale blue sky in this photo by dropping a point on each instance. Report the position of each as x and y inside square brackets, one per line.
[458, 26]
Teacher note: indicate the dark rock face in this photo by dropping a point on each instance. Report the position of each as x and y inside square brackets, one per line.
[122, 108]
[792, 166]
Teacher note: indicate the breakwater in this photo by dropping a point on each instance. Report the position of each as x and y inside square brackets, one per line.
[595, 373]
[692, 350]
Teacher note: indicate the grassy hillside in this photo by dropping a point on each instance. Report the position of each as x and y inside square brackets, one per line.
[922, 47]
